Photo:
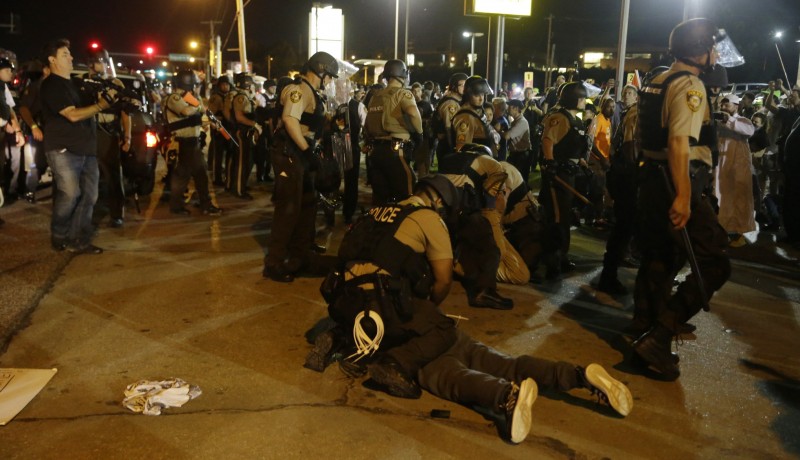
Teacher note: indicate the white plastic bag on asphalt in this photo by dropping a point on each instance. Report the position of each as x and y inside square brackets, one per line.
[149, 396]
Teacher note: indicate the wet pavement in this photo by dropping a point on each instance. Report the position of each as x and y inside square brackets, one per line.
[184, 297]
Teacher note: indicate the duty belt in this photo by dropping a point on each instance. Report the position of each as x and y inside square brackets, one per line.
[395, 143]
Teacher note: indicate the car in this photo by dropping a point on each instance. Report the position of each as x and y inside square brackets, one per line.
[741, 88]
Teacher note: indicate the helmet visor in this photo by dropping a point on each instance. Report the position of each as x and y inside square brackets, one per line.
[727, 53]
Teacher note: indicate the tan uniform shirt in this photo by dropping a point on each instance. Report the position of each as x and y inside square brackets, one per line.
[520, 209]
[297, 99]
[243, 104]
[469, 128]
[447, 110]
[175, 106]
[556, 126]
[215, 103]
[488, 167]
[684, 113]
[423, 231]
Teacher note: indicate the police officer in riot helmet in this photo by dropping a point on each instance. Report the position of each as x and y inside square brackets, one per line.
[393, 127]
[564, 149]
[247, 133]
[397, 262]
[183, 112]
[677, 164]
[218, 148]
[294, 159]
[446, 109]
[113, 137]
[470, 125]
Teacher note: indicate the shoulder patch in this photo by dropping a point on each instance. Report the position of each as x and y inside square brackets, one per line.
[553, 121]
[408, 95]
[295, 96]
[451, 108]
[694, 99]
[463, 127]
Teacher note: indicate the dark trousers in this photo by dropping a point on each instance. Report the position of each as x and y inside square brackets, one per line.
[217, 156]
[477, 251]
[525, 235]
[261, 158]
[557, 205]
[111, 192]
[623, 188]
[190, 165]
[473, 374]
[351, 184]
[791, 200]
[294, 218]
[241, 163]
[389, 174]
[664, 254]
[522, 161]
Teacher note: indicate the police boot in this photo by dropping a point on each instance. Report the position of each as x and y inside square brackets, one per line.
[516, 415]
[322, 354]
[490, 298]
[278, 273]
[607, 389]
[610, 284]
[655, 348]
[393, 378]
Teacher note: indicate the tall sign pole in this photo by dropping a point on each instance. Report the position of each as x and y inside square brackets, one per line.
[621, 48]
[242, 46]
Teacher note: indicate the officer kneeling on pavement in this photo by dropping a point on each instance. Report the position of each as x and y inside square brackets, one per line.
[184, 114]
[395, 268]
[382, 292]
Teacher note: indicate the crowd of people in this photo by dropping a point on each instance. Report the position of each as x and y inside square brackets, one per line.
[670, 170]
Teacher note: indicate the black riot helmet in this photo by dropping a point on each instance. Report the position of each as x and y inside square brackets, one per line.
[5, 63]
[455, 79]
[223, 79]
[395, 68]
[694, 37]
[442, 186]
[476, 149]
[243, 80]
[322, 63]
[185, 80]
[476, 85]
[570, 93]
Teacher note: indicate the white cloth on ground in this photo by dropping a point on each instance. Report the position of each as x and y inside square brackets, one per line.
[149, 396]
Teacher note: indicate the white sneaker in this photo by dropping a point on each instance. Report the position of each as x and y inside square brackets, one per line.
[518, 409]
[609, 389]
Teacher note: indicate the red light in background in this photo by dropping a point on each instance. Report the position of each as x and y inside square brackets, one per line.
[151, 139]
[95, 45]
[149, 50]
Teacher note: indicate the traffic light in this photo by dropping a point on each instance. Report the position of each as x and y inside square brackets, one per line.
[149, 50]
[94, 46]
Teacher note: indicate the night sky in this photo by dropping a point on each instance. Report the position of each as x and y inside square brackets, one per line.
[127, 26]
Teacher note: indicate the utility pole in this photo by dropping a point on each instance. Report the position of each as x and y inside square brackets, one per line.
[242, 45]
[622, 48]
[214, 53]
[548, 64]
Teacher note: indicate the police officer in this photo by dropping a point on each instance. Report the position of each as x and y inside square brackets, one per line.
[113, 137]
[564, 147]
[470, 124]
[294, 160]
[261, 155]
[446, 109]
[247, 134]
[183, 112]
[672, 109]
[393, 127]
[398, 262]
[218, 148]
[480, 180]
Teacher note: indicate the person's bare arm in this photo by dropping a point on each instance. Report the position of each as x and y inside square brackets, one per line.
[678, 159]
[443, 279]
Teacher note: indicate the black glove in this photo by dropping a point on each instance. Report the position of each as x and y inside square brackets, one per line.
[310, 159]
[416, 138]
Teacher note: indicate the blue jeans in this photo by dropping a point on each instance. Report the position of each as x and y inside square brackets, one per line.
[76, 177]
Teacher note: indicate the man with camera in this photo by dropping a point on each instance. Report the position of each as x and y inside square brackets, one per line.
[71, 144]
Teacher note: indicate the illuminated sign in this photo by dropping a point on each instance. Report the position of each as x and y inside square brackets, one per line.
[326, 31]
[505, 7]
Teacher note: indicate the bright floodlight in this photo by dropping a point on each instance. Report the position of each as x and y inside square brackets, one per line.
[467, 34]
[778, 34]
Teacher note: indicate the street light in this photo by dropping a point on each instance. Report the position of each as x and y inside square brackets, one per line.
[193, 45]
[778, 35]
[471, 36]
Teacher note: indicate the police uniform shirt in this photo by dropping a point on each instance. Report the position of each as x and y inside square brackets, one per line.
[298, 98]
[422, 230]
[685, 110]
[175, 106]
[520, 209]
[556, 126]
[227, 106]
[399, 100]
[487, 167]
[243, 104]
[469, 127]
[215, 103]
[447, 110]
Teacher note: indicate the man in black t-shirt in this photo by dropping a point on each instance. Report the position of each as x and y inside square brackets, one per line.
[70, 142]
